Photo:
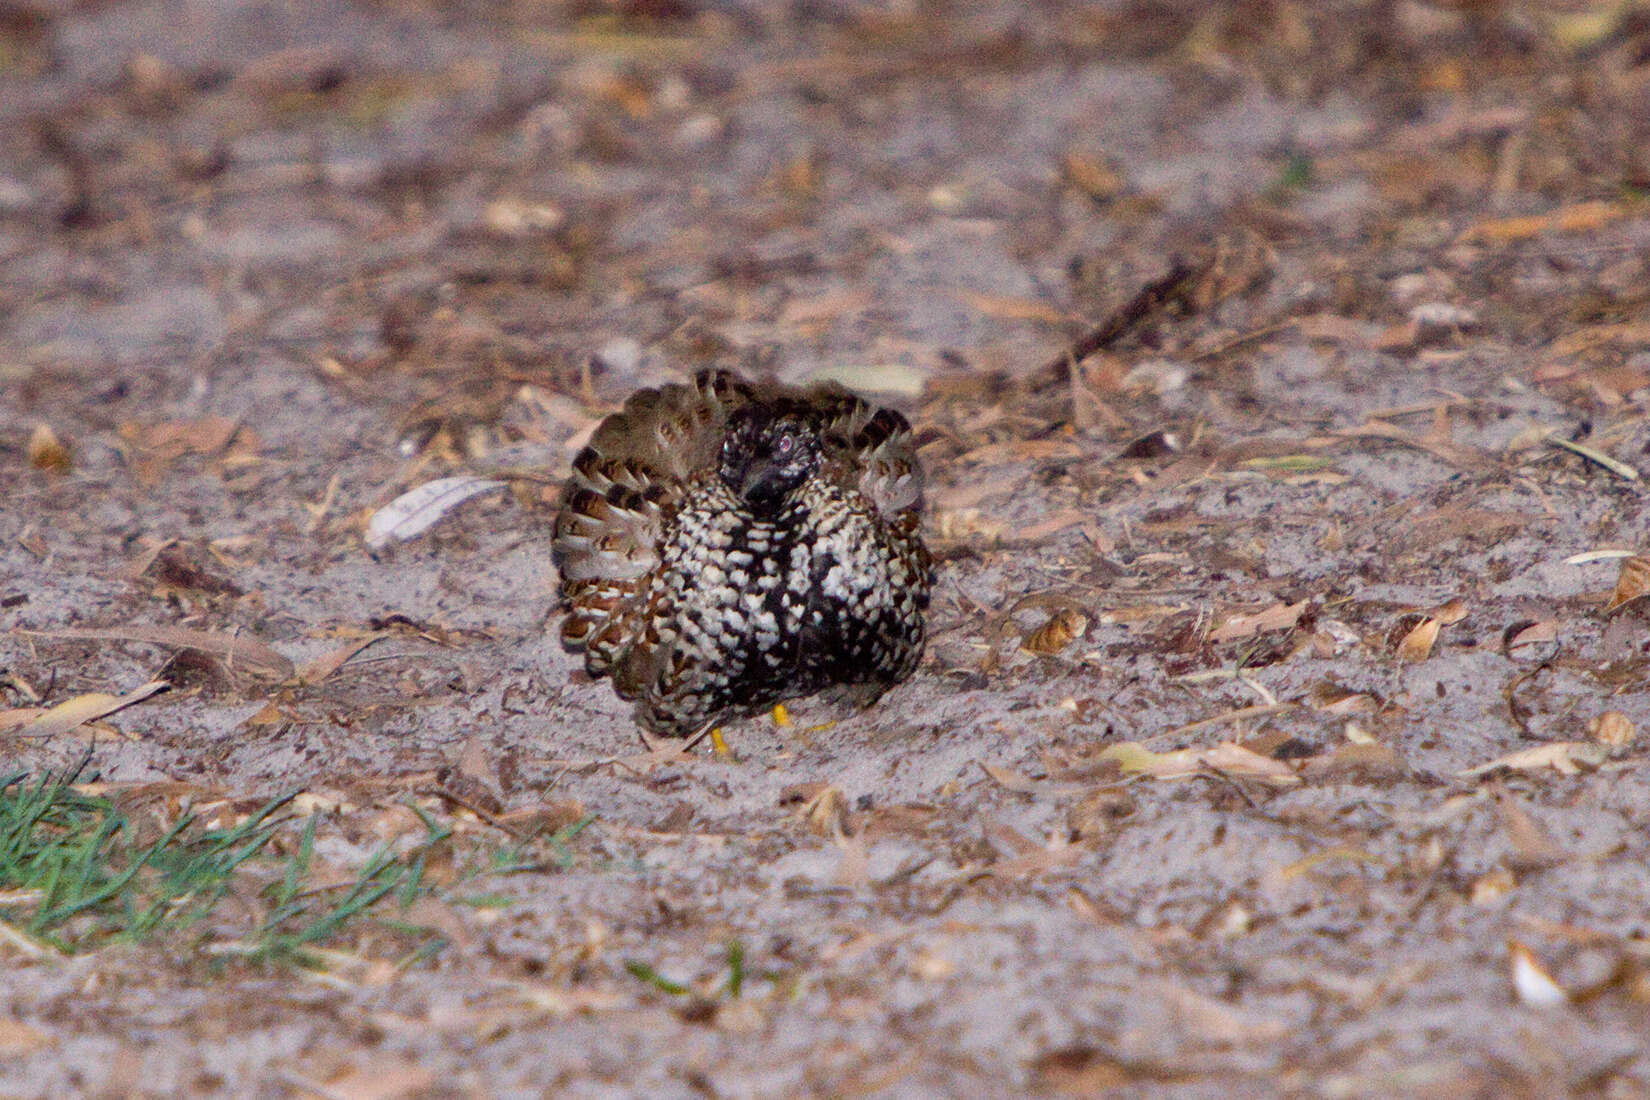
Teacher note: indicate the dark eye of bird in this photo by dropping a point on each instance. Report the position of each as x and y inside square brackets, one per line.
[785, 444]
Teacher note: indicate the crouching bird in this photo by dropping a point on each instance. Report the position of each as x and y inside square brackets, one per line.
[726, 545]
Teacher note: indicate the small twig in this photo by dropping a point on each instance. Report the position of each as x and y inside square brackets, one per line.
[449, 795]
[1150, 300]
[1232, 716]
[1615, 466]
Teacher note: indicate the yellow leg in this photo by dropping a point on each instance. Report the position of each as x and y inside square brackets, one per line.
[718, 743]
[781, 716]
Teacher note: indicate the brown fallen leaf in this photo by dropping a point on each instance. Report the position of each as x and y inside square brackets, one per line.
[1279, 616]
[1061, 629]
[1026, 857]
[1368, 759]
[1227, 757]
[1079, 1071]
[47, 452]
[1532, 846]
[76, 712]
[1011, 309]
[1020, 783]
[381, 1080]
[1417, 644]
[1631, 583]
[176, 438]
[1564, 757]
[1575, 218]
[239, 652]
[1613, 730]
[1097, 177]
[1522, 636]
[18, 1038]
[1059, 521]
[313, 672]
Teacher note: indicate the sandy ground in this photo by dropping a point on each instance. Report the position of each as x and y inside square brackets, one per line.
[262, 276]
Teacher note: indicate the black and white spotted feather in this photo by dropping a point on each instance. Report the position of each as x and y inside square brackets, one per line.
[727, 545]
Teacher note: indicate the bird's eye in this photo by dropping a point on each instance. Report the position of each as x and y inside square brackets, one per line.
[784, 445]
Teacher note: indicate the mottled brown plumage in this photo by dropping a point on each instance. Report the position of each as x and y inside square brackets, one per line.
[727, 545]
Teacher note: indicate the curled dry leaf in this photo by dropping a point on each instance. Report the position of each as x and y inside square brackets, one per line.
[76, 712]
[1058, 632]
[1448, 614]
[47, 452]
[418, 509]
[822, 806]
[1489, 889]
[1531, 983]
[1227, 757]
[1564, 757]
[1632, 582]
[1613, 730]
[1417, 644]
[1519, 639]
[1277, 617]
[313, 672]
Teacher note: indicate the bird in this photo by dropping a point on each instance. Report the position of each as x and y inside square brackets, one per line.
[727, 545]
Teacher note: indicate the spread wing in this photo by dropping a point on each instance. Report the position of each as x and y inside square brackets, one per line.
[617, 502]
[871, 450]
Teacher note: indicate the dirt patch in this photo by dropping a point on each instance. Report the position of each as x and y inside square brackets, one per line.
[1296, 556]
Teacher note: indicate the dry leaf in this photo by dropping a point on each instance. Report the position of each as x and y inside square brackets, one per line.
[827, 813]
[76, 712]
[1578, 217]
[1489, 889]
[239, 652]
[382, 1081]
[1531, 982]
[1564, 757]
[547, 818]
[46, 451]
[564, 1002]
[1367, 759]
[1011, 309]
[1059, 521]
[1522, 635]
[1080, 1071]
[18, 1038]
[1227, 757]
[1532, 846]
[313, 672]
[1450, 613]
[1632, 582]
[1059, 631]
[1277, 617]
[1096, 177]
[1020, 783]
[1417, 644]
[175, 438]
[1613, 730]
[418, 509]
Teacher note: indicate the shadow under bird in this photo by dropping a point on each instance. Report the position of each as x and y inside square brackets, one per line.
[726, 545]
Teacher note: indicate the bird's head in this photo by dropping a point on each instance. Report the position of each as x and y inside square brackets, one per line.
[767, 454]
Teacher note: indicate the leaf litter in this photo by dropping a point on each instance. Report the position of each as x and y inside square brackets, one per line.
[1215, 466]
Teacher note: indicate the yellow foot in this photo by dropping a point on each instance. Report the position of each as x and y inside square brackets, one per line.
[718, 744]
[781, 716]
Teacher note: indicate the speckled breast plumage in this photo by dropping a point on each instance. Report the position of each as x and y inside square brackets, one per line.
[727, 545]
